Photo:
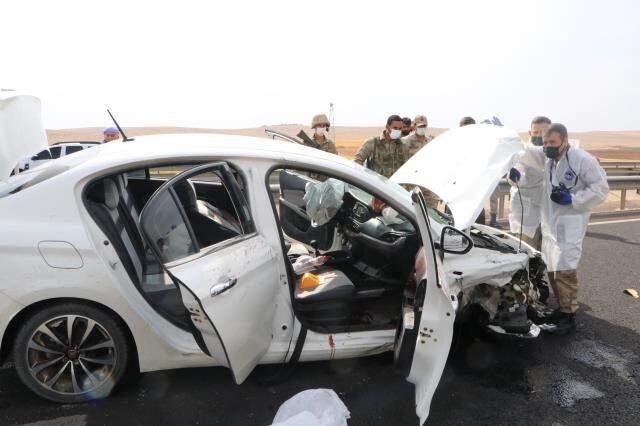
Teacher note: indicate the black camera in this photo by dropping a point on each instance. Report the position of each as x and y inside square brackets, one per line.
[557, 191]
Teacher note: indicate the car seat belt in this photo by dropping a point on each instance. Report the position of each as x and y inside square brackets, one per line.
[287, 369]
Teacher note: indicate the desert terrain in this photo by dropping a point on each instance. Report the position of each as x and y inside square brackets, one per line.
[618, 145]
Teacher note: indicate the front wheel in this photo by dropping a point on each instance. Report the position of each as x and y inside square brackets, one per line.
[71, 352]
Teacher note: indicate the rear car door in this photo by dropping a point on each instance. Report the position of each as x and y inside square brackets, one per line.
[228, 278]
[425, 334]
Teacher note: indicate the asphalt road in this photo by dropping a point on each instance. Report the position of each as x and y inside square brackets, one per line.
[589, 377]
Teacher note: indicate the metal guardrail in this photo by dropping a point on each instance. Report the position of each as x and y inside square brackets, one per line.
[620, 165]
[616, 183]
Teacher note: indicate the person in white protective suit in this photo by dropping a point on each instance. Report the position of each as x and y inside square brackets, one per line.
[573, 184]
[524, 208]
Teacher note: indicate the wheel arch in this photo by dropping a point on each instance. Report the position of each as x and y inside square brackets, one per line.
[6, 346]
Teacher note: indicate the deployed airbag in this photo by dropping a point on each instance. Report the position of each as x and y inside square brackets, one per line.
[323, 200]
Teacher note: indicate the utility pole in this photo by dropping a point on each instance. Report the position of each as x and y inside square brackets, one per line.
[332, 119]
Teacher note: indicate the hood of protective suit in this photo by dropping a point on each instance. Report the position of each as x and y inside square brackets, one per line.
[463, 166]
[21, 129]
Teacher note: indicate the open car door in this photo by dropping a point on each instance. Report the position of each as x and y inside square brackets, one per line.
[425, 334]
[296, 224]
[228, 279]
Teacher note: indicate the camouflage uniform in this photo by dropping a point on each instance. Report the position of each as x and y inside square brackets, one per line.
[381, 156]
[413, 145]
[327, 146]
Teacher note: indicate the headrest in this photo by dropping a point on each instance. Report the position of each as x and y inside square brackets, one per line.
[111, 195]
[187, 194]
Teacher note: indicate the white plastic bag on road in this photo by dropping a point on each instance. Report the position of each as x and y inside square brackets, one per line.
[314, 407]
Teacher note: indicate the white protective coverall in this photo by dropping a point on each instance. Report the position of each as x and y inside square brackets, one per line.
[564, 227]
[530, 189]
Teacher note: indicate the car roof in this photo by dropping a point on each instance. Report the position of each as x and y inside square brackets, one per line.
[155, 147]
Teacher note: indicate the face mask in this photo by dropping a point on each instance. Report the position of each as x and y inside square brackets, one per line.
[536, 140]
[321, 131]
[552, 152]
[421, 131]
[395, 133]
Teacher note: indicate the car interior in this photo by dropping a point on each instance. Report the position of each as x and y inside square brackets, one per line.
[115, 203]
[367, 251]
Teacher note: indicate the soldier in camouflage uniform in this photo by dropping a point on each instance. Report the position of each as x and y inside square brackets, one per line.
[320, 125]
[418, 137]
[384, 154]
[416, 140]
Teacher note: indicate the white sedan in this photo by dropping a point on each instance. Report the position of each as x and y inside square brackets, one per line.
[209, 250]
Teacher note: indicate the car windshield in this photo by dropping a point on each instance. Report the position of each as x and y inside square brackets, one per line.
[436, 215]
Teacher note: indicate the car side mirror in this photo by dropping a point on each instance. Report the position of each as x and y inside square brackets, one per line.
[34, 158]
[454, 241]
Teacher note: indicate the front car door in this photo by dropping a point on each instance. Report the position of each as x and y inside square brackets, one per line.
[424, 337]
[295, 221]
[228, 278]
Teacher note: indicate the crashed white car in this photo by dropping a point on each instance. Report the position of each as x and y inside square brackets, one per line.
[210, 250]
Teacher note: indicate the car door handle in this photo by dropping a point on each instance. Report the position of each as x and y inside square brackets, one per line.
[223, 286]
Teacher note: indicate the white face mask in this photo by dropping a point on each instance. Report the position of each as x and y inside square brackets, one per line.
[395, 133]
[421, 131]
[321, 131]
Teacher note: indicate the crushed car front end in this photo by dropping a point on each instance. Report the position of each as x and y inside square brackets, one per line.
[500, 283]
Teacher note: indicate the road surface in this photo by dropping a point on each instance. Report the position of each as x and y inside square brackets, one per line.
[590, 377]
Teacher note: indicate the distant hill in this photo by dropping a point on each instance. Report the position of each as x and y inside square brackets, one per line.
[604, 144]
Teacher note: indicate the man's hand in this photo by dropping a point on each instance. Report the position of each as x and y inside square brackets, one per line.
[514, 175]
[562, 197]
[377, 205]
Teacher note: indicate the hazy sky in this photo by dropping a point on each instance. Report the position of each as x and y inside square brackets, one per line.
[228, 64]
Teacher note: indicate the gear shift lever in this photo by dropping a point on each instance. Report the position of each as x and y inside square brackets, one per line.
[314, 244]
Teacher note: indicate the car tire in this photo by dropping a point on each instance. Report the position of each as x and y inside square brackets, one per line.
[71, 352]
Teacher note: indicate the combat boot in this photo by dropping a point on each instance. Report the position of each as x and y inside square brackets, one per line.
[564, 323]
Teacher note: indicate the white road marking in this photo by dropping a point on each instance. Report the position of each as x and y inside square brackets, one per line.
[614, 221]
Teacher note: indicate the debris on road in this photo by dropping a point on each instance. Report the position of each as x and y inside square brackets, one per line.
[632, 292]
[314, 407]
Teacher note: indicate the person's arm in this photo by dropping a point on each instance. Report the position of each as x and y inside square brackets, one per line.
[364, 152]
[597, 188]
[532, 159]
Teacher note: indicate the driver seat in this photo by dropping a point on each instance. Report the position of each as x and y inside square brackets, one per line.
[328, 302]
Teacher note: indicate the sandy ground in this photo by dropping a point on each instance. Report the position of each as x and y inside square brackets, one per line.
[624, 145]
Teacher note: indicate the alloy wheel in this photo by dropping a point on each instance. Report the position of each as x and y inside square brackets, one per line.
[71, 355]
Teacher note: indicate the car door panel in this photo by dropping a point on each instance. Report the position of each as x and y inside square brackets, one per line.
[295, 222]
[228, 288]
[237, 313]
[426, 330]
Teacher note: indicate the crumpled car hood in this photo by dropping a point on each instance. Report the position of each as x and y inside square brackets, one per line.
[463, 166]
[21, 129]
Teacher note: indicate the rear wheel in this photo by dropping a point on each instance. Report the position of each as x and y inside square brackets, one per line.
[71, 352]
